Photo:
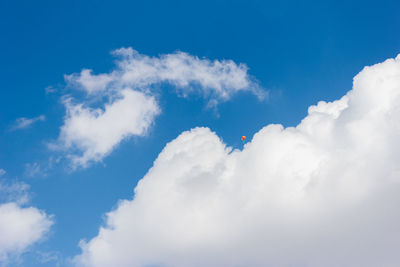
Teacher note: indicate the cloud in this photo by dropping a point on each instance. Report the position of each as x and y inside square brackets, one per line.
[20, 226]
[14, 192]
[49, 256]
[50, 89]
[23, 123]
[33, 169]
[91, 134]
[323, 193]
[2, 172]
[90, 131]
[217, 80]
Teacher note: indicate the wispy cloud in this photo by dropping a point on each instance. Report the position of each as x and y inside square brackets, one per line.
[33, 169]
[216, 80]
[23, 123]
[14, 192]
[50, 89]
[49, 256]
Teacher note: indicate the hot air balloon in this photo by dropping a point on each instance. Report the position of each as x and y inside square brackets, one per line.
[243, 137]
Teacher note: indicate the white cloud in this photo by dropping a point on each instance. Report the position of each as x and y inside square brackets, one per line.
[95, 132]
[217, 80]
[90, 83]
[324, 193]
[20, 226]
[2, 172]
[23, 123]
[89, 134]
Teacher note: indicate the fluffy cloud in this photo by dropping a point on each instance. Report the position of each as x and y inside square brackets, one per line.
[20, 226]
[23, 123]
[89, 134]
[95, 132]
[323, 193]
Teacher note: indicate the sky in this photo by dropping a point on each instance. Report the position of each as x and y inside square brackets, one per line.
[120, 126]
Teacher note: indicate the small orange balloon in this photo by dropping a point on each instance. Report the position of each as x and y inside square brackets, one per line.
[243, 138]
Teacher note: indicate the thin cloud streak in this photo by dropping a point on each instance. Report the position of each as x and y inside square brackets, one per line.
[24, 123]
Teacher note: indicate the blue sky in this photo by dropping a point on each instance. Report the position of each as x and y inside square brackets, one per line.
[300, 52]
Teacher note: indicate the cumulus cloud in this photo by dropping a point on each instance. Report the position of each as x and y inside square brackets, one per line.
[323, 193]
[20, 226]
[23, 123]
[92, 133]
